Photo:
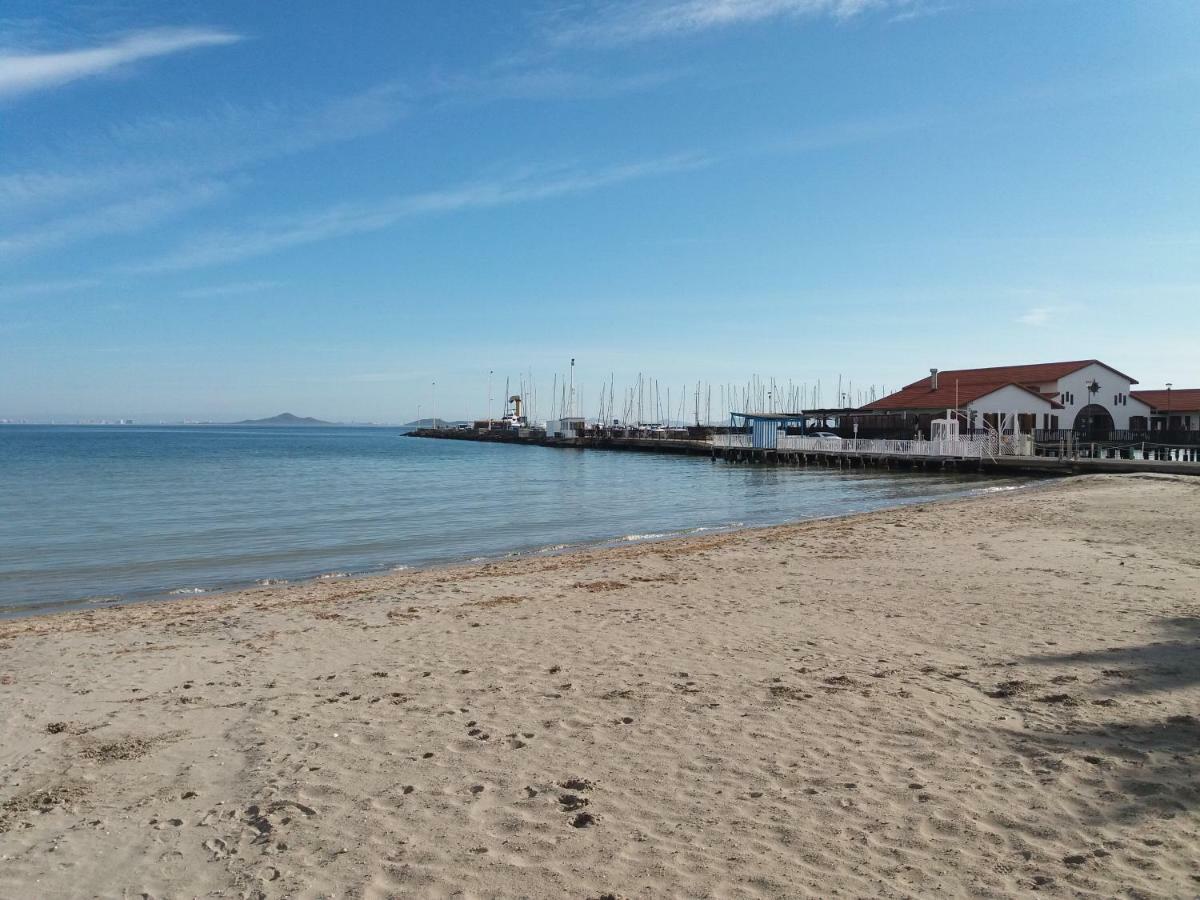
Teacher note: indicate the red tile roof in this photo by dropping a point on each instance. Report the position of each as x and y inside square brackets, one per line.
[975, 383]
[1182, 400]
[921, 396]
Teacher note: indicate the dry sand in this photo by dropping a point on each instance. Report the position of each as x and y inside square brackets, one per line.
[973, 698]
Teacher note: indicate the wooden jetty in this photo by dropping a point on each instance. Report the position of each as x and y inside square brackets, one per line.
[847, 457]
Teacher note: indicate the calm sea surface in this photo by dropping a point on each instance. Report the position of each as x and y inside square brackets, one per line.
[99, 515]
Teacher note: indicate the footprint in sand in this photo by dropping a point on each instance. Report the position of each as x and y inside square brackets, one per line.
[572, 802]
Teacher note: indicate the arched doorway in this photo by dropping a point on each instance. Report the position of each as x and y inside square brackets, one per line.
[1094, 421]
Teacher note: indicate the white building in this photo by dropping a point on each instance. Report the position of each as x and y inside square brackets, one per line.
[1170, 410]
[1083, 395]
[565, 427]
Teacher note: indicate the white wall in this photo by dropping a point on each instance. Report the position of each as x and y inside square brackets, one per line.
[1135, 408]
[565, 427]
[1010, 399]
[1110, 383]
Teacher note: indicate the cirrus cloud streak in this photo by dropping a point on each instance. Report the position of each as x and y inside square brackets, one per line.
[616, 23]
[228, 246]
[24, 73]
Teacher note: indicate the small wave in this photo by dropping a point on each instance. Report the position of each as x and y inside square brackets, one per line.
[995, 489]
[645, 537]
[400, 568]
[553, 548]
[191, 590]
[326, 576]
[267, 582]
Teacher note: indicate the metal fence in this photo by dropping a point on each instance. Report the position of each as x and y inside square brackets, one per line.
[1167, 437]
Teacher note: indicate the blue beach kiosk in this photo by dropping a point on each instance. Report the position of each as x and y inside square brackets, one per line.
[764, 427]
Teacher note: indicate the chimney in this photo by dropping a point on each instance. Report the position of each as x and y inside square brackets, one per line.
[933, 379]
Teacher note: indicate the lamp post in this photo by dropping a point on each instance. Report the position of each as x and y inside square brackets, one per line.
[1167, 424]
[489, 398]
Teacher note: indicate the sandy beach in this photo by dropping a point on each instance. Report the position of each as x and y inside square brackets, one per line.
[971, 698]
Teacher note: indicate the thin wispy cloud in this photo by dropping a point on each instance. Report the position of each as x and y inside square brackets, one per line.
[1048, 307]
[915, 11]
[24, 73]
[155, 151]
[227, 246]
[550, 83]
[40, 288]
[232, 289]
[228, 137]
[160, 154]
[850, 132]
[633, 21]
[79, 187]
[1037, 316]
[121, 217]
[35, 290]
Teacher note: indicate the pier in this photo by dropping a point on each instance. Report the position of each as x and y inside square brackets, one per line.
[961, 455]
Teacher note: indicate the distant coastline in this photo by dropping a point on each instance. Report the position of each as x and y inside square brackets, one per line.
[286, 419]
[432, 423]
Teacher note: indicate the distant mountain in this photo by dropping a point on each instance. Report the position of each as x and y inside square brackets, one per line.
[284, 419]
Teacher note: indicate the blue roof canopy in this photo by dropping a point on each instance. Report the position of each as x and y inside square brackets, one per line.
[795, 418]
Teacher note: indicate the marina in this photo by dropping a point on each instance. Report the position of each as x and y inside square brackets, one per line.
[1006, 419]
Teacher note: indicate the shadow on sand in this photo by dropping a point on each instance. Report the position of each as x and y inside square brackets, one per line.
[1145, 762]
[1166, 665]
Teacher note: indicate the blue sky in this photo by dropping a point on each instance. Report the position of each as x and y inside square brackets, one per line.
[216, 210]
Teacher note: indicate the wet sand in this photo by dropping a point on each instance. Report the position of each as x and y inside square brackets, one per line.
[978, 697]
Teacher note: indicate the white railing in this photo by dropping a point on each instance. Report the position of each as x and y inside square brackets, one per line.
[964, 447]
[731, 440]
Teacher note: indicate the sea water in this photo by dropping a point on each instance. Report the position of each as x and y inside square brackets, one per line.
[95, 515]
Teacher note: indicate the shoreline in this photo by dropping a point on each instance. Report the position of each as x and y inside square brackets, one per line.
[387, 577]
[981, 696]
